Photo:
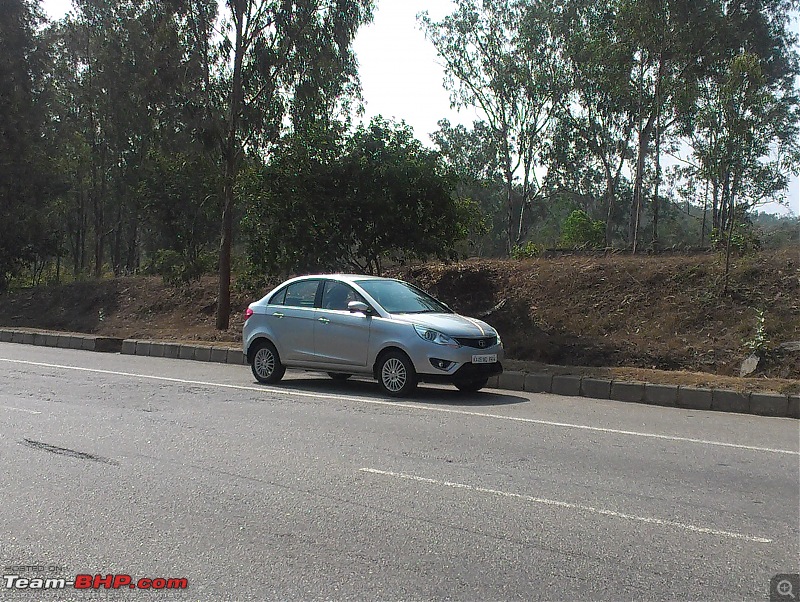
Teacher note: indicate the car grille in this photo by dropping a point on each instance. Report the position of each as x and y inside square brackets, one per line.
[481, 343]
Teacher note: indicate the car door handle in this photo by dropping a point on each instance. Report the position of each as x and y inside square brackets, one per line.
[278, 314]
[324, 320]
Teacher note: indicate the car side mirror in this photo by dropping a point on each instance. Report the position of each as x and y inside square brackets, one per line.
[359, 307]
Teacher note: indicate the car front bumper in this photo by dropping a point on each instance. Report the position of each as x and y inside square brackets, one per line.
[458, 363]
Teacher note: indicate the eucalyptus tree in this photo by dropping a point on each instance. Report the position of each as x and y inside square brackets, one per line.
[472, 154]
[744, 135]
[277, 59]
[25, 185]
[597, 120]
[501, 58]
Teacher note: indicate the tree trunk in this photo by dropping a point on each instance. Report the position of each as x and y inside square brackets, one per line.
[231, 158]
[638, 187]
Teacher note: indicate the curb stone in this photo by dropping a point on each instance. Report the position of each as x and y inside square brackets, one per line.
[536, 382]
[730, 401]
[766, 404]
[763, 404]
[632, 392]
[157, 349]
[794, 406]
[567, 385]
[144, 348]
[661, 395]
[596, 388]
[219, 355]
[694, 398]
[512, 380]
[236, 356]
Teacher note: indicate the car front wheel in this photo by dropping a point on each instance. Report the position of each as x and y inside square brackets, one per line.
[396, 374]
[267, 367]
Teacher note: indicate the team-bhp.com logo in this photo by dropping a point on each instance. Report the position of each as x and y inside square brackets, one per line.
[111, 581]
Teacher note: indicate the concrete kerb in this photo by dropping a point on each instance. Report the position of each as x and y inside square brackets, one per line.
[769, 404]
[632, 392]
[219, 355]
[693, 398]
[661, 395]
[794, 406]
[157, 349]
[730, 401]
[596, 388]
[536, 382]
[764, 404]
[236, 356]
[143, 348]
[513, 381]
[566, 385]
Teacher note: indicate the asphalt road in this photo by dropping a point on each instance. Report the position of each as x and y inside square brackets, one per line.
[315, 490]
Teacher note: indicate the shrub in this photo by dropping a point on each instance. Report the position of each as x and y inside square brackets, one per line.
[527, 251]
[579, 230]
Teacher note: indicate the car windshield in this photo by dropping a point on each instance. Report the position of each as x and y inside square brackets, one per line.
[401, 298]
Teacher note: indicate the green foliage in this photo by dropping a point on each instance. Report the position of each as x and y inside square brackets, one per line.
[527, 251]
[26, 229]
[580, 230]
[759, 342]
[176, 268]
[329, 204]
[502, 59]
[179, 197]
[744, 240]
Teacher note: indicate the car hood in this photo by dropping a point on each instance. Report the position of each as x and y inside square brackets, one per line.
[449, 324]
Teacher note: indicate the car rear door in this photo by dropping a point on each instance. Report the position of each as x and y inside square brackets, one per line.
[290, 318]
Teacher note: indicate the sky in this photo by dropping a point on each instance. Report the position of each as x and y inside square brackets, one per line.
[402, 78]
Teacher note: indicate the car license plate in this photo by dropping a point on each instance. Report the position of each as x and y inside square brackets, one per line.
[484, 359]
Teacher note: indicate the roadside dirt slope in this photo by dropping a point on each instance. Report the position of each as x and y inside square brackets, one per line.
[633, 317]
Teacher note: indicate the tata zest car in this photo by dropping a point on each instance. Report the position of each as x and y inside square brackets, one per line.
[346, 324]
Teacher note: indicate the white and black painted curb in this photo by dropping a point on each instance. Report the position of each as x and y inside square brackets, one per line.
[677, 396]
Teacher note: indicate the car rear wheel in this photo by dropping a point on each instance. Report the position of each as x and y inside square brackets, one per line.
[339, 376]
[267, 367]
[396, 374]
[471, 386]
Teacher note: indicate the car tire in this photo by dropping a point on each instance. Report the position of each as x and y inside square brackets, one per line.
[396, 374]
[471, 386]
[266, 365]
[339, 376]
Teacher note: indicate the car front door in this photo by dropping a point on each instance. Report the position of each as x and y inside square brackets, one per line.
[341, 337]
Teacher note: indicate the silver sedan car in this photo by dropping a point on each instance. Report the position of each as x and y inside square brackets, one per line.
[348, 325]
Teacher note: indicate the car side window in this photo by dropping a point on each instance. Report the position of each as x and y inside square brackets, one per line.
[301, 294]
[337, 295]
[278, 298]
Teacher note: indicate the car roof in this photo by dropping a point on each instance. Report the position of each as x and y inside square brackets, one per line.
[346, 277]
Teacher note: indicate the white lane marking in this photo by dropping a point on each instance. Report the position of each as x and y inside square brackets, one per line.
[413, 406]
[570, 506]
[20, 410]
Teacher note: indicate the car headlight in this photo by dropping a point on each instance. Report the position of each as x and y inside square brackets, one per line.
[436, 337]
[499, 340]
